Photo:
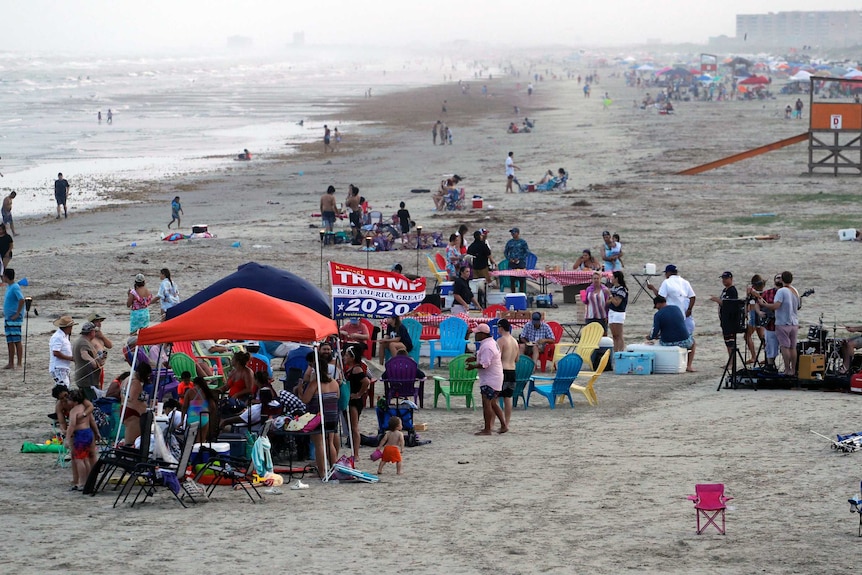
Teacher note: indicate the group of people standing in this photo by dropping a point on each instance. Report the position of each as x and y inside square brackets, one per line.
[443, 131]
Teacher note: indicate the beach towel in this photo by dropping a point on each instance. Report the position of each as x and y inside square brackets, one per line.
[261, 456]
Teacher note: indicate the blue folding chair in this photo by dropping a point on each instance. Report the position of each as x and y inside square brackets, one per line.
[567, 372]
[452, 342]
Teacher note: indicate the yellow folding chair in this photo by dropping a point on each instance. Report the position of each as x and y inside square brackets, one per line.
[589, 390]
[591, 336]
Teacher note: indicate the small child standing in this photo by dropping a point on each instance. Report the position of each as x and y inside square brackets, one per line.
[82, 434]
[185, 384]
[176, 210]
[392, 444]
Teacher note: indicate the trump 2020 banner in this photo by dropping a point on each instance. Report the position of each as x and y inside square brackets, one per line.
[360, 292]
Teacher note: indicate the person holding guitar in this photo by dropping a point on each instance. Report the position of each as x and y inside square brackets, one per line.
[785, 305]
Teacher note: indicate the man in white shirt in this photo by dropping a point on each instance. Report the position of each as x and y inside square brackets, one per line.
[60, 361]
[510, 171]
[677, 291]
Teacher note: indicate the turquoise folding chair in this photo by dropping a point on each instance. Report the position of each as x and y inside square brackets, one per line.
[503, 281]
[452, 342]
[523, 371]
[567, 372]
[414, 330]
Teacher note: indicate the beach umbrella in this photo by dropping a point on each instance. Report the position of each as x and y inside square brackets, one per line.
[645, 68]
[704, 78]
[853, 74]
[664, 70]
[755, 80]
[801, 76]
[269, 280]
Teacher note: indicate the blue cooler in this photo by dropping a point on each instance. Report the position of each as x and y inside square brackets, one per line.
[446, 288]
[633, 363]
[200, 458]
[516, 301]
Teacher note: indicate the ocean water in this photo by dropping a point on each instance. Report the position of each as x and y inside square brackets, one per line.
[171, 116]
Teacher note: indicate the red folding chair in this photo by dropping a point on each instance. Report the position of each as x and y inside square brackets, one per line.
[548, 353]
[709, 503]
[491, 310]
[426, 308]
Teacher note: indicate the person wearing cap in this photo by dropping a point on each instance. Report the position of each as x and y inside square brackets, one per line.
[139, 301]
[88, 364]
[786, 305]
[677, 291]
[488, 363]
[534, 337]
[462, 294]
[668, 326]
[482, 258]
[101, 341]
[354, 331]
[60, 360]
[613, 253]
[516, 251]
[729, 311]
[328, 209]
[13, 315]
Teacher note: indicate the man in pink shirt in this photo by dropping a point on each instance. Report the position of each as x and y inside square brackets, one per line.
[490, 367]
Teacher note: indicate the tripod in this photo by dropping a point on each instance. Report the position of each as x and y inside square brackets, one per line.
[732, 374]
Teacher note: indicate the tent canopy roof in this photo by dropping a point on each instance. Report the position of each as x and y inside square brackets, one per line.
[243, 314]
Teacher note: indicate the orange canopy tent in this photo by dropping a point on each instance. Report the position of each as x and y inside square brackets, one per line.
[243, 314]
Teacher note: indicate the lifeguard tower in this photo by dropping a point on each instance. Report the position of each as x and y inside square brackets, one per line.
[834, 134]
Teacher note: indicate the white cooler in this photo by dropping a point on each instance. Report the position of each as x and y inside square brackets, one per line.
[667, 359]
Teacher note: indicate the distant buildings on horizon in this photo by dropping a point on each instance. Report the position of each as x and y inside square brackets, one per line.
[796, 29]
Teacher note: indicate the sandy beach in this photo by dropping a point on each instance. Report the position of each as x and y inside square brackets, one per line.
[584, 490]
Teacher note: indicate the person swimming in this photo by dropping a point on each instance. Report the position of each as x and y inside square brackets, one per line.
[245, 156]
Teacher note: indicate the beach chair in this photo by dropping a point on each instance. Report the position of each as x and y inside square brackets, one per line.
[426, 308]
[368, 352]
[589, 390]
[709, 504]
[440, 276]
[155, 474]
[493, 310]
[414, 330]
[123, 459]
[492, 325]
[238, 472]
[531, 261]
[400, 380]
[259, 362]
[856, 507]
[459, 383]
[589, 341]
[504, 282]
[524, 368]
[547, 354]
[440, 261]
[221, 361]
[181, 362]
[567, 372]
[452, 342]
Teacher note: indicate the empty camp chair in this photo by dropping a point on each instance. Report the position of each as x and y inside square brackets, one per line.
[560, 384]
[452, 342]
[589, 341]
[459, 383]
[440, 276]
[400, 379]
[493, 310]
[504, 282]
[259, 362]
[548, 353]
[155, 474]
[181, 362]
[368, 352]
[709, 503]
[531, 261]
[589, 390]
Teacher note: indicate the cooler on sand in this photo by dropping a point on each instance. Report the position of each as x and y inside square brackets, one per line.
[516, 301]
[630, 363]
[477, 202]
[605, 344]
[205, 456]
[668, 359]
[856, 383]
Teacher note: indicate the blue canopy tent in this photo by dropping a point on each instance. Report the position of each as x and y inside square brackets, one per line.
[268, 280]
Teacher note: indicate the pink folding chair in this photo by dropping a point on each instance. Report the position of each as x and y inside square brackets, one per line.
[709, 503]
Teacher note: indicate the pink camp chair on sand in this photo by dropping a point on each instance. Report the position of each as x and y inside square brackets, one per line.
[709, 503]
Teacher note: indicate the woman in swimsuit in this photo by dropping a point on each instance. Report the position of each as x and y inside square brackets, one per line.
[329, 392]
[240, 383]
[198, 403]
[136, 402]
[357, 375]
[139, 301]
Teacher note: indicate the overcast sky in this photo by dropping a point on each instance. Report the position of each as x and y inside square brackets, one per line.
[122, 26]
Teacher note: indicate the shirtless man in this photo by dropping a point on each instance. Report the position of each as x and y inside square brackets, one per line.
[353, 205]
[328, 209]
[6, 212]
[509, 353]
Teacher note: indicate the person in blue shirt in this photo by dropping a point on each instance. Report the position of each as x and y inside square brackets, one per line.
[516, 251]
[13, 313]
[176, 210]
[668, 326]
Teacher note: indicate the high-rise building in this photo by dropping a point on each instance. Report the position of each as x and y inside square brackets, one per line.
[799, 28]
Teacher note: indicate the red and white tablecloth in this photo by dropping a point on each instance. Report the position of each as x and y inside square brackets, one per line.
[563, 278]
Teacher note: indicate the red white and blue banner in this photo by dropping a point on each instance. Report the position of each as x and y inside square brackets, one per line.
[360, 292]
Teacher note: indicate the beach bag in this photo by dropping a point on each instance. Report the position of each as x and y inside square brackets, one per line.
[304, 423]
